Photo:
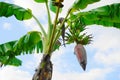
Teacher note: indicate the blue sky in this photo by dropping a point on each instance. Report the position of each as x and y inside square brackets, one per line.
[103, 54]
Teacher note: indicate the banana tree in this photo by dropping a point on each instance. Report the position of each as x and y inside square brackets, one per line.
[62, 31]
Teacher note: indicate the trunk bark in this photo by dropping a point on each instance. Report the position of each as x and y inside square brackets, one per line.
[44, 70]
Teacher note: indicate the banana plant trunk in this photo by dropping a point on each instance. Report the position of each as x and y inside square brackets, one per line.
[44, 70]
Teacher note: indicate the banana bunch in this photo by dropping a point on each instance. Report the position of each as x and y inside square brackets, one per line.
[57, 3]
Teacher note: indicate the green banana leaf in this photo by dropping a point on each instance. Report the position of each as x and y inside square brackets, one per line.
[28, 43]
[7, 55]
[7, 10]
[10, 60]
[108, 15]
[82, 4]
[6, 49]
[25, 45]
[40, 1]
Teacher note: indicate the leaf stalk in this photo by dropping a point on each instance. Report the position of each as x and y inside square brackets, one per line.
[40, 26]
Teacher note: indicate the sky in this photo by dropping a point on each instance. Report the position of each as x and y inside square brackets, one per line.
[102, 54]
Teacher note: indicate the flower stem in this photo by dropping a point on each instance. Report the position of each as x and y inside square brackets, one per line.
[53, 31]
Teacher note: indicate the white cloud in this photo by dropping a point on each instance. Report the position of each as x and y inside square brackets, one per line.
[110, 58]
[93, 74]
[13, 73]
[105, 38]
[106, 44]
[6, 26]
[37, 9]
[37, 58]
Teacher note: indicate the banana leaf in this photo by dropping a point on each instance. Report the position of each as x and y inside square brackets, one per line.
[108, 16]
[82, 4]
[25, 45]
[8, 10]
